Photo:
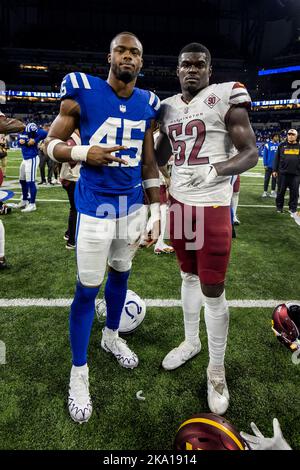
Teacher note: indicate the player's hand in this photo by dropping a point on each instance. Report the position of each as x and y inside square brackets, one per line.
[21, 141]
[259, 442]
[31, 142]
[154, 233]
[98, 156]
[275, 174]
[194, 177]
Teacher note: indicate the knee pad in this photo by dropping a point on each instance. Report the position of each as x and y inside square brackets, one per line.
[190, 279]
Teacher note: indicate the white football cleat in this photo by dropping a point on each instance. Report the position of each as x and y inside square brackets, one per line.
[217, 390]
[21, 204]
[111, 342]
[29, 208]
[79, 401]
[161, 248]
[178, 356]
[264, 194]
[273, 194]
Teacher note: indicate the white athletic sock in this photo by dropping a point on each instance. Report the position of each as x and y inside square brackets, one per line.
[2, 239]
[192, 301]
[216, 316]
[235, 202]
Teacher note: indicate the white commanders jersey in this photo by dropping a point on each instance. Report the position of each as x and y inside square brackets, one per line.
[198, 136]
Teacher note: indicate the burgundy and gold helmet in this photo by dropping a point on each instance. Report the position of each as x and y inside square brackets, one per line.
[208, 431]
[286, 325]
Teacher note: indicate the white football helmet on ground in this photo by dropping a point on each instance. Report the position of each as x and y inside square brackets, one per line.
[133, 312]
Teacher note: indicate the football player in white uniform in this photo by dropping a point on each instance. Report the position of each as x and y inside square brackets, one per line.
[203, 126]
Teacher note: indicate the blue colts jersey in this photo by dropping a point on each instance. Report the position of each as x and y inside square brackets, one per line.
[270, 150]
[31, 151]
[108, 120]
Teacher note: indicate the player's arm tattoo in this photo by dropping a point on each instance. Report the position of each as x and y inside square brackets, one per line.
[149, 166]
[8, 125]
[163, 149]
[243, 138]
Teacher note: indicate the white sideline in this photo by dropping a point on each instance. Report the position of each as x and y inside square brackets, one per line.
[21, 302]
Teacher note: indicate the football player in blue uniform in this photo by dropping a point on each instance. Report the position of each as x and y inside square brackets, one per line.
[269, 152]
[28, 141]
[115, 120]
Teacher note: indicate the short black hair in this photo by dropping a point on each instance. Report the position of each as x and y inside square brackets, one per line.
[195, 47]
[128, 33]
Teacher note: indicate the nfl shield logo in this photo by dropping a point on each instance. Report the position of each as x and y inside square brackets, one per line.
[122, 108]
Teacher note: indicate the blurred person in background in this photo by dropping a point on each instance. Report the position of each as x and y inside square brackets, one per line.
[69, 174]
[286, 166]
[7, 125]
[269, 153]
[45, 160]
[3, 155]
[28, 141]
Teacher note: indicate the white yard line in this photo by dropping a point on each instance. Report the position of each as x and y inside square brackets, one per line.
[41, 200]
[41, 302]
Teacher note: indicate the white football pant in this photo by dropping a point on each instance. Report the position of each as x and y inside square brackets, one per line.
[102, 240]
[28, 169]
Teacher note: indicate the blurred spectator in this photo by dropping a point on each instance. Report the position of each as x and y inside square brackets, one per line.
[3, 154]
[28, 141]
[69, 174]
[44, 159]
[269, 153]
[286, 165]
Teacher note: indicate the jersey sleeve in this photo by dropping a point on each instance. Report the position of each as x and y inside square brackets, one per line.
[239, 96]
[154, 103]
[70, 86]
[41, 135]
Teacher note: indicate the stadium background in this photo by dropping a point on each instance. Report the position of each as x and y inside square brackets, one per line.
[40, 43]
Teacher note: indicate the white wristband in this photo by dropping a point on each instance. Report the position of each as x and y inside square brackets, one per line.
[79, 152]
[151, 183]
[155, 211]
[51, 146]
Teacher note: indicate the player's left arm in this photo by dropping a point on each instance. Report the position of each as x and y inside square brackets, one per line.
[151, 183]
[8, 126]
[243, 138]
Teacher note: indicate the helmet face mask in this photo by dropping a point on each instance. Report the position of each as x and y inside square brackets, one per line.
[285, 325]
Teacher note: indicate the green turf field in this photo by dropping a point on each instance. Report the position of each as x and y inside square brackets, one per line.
[263, 381]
